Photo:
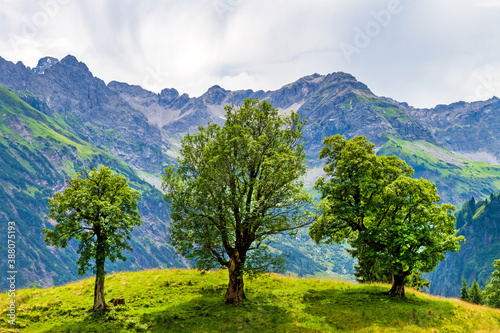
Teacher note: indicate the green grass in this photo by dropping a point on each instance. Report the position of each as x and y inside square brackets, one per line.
[457, 177]
[388, 112]
[39, 125]
[189, 301]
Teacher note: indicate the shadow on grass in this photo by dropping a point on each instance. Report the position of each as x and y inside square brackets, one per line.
[210, 314]
[203, 313]
[352, 309]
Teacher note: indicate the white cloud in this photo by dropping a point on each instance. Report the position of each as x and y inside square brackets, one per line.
[426, 52]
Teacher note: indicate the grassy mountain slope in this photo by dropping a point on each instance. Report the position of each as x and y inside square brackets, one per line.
[456, 178]
[479, 223]
[190, 301]
[36, 156]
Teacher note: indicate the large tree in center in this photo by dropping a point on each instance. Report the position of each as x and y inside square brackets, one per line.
[100, 211]
[393, 222]
[235, 186]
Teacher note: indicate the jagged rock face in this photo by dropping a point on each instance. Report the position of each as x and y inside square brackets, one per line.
[44, 64]
[136, 125]
[96, 113]
[469, 129]
[336, 103]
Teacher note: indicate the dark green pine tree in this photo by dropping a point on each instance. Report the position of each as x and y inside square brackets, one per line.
[475, 293]
[472, 205]
[464, 295]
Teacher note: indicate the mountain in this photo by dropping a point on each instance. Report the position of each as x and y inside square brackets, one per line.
[469, 130]
[479, 223]
[426, 139]
[37, 155]
[67, 90]
[59, 118]
[143, 129]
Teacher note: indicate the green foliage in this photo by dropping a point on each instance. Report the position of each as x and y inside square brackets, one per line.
[475, 295]
[188, 301]
[466, 214]
[492, 290]
[414, 232]
[391, 220]
[352, 191]
[100, 211]
[464, 294]
[480, 226]
[236, 185]
[416, 281]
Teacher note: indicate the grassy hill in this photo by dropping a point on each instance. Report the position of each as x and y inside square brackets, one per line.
[191, 301]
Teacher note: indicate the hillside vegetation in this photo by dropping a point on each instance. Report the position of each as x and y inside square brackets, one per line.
[191, 301]
[479, 223]
[456, 178]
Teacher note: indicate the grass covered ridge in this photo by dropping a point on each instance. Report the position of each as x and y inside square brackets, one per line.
[457, 178]
[190, 301]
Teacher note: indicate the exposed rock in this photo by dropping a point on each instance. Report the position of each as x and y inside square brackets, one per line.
[44, 64]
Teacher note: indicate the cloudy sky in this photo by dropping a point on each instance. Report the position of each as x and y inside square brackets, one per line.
[424, 52]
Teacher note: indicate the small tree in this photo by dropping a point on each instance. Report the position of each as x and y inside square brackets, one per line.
[391, 220]
[99, 210]
[464, 295]
[492, 290]
[234, 187]
[475, 293]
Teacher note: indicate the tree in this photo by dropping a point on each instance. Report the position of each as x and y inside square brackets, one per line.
[475, 293]
[100, 211]
[351, 192]
[393, 222]
[415, 234]
[464, 295]
[234, 187]
[492, 290]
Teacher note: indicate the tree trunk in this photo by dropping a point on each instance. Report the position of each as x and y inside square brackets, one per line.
[99, 302]
[398, 285]
[235, 292]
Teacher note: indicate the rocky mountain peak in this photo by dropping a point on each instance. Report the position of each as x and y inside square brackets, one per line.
[168, 95]
[214, 95]
[129, 89]
[44, 64]
[346, 83]
[70, 64]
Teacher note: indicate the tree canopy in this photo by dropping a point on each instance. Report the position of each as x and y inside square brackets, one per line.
[392, 221]
[492, 290]
[99, 210]
[235, 186]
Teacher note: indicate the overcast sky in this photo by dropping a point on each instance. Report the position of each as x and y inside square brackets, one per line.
[424, 52]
